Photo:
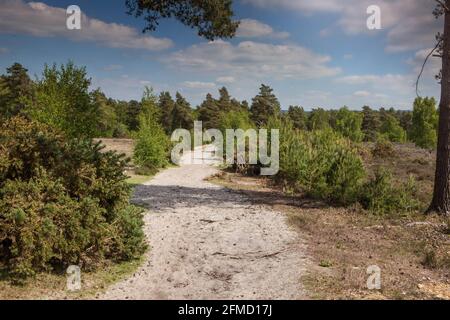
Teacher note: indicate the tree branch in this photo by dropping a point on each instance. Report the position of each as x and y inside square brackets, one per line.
[424, 63]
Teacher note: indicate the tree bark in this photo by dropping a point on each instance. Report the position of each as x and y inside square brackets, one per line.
[441, 195]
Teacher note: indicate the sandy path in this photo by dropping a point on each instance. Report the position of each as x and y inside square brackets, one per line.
[207, 242]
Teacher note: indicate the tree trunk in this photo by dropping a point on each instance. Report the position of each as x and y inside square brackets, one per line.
[441, 195]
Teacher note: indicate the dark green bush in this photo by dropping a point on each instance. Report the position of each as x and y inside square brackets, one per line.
[62, 202]
[381, 196]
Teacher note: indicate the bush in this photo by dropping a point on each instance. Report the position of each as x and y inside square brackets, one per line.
[380, 195]
[62, 202]
[383, 148]
[152, 145]
[321, 163]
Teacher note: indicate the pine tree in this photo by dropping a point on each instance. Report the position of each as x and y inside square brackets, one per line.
[224, 102]
[209, 112]
[19, 88]
[318, 119]
[298, 117]
[348, 123]
[166, 106]
[425, 121]
[264, 106]
[132, 115]
[371, 124]
[182, 114]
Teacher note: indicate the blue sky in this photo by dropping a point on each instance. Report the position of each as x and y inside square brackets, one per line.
[313, 53]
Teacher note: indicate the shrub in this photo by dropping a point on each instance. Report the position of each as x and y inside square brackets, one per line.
[380, 195]
[383, 148]
[321, 163]
[62, 202]
[152, 145]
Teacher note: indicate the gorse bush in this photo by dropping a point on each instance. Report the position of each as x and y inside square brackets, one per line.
[62, 202]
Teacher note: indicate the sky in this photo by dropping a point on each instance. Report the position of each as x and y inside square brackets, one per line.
[312, 53]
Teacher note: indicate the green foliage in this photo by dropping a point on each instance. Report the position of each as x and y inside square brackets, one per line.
[321, 163]
[210, 113]
[424, 123]
[298, 117]
[381, 196]
[182, 114]
[62, 101]
[15, 87]
[371, 124]
[383, 148]
[62, 202]
[264, 106]
[212, 18]
[166, 106]
[152, 144]
[348, 123]
[318, 119]
[391, 129]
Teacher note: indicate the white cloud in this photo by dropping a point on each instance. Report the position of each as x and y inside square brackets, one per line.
[199, 85]
[41, 20]
[4, 50]
[253, 59]
[250, 28]
[361, 93]
[226, 80]
[113, 67]
[409, 24]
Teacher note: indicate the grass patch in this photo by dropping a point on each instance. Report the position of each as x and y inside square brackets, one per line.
[46, 286]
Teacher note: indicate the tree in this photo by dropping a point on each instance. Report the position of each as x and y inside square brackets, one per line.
[318, 119]
[182, 114]
[62, 100]
[107, 119]
[425, 119]
[212, 18]
[298, 117]
[391, 129]
[17, 87]
[348, 123]
[264, 106]
[149, 104]
[371, 124]
[166, 106]
[132, 115]
[209, 112]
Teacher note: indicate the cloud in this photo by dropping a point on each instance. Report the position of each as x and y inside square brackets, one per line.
[199, 85]
[253, 59]
[41, 20]
[4, 50]
[113, 67]
[250, 28]
[226, 80]
[409, 24]
[361, 93]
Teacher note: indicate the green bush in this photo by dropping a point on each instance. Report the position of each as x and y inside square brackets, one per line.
[152, 146]
[382, 148]
[321, 163]
[62, 202]
[380, 195]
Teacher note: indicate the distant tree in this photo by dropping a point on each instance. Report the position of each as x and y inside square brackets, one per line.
[298, 117]
[318, 119]
[62, 100]
[209, 112]
[391, 129]
[17, 87]
[371, 124]
[166, 106]
[132, 115]
[224, 103]
[107, 123]
[212, 18]
[149, 104]
[264, 106]
[182, 114]
[425, 121]
[348, 123]
[4, 97]
[405, 119]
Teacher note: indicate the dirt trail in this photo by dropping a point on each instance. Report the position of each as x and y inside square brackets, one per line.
[207, 242]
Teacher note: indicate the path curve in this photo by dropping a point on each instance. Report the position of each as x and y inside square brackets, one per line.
[207, 242]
